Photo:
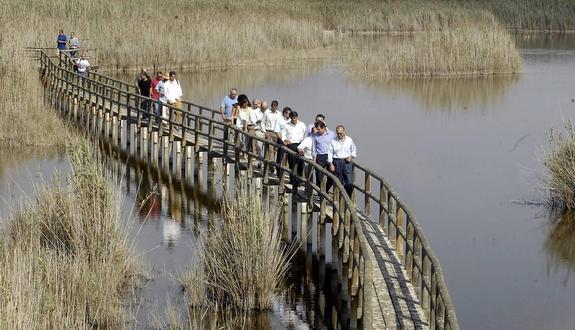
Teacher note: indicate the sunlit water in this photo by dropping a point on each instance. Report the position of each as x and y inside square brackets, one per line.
[459, 152]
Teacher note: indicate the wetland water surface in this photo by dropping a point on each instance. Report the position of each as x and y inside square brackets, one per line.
[459, 152]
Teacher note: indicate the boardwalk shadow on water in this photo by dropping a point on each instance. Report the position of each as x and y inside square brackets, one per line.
[175, 212]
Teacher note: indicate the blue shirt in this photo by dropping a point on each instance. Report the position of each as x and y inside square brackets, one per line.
[62, 39]
[227, 103]
[321, 143]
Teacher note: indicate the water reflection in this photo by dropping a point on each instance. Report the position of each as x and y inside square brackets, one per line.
[450, 94]
[560, 245]
[556, 41]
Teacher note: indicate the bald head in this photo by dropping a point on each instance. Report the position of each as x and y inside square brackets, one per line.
[264, 106]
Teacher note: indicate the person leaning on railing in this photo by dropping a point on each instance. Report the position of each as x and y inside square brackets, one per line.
[73, 45]
[340, 154]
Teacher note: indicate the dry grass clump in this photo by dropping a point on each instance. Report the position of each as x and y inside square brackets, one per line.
[476, 50]
[244, 263]
[559, 183]
[65, 260]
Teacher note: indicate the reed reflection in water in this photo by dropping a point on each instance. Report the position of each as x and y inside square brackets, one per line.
[560, 245]
[450, 95]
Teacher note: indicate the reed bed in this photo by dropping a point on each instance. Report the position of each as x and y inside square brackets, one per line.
[243, 264]
[65, 260]
[485, 49]
[559, 181]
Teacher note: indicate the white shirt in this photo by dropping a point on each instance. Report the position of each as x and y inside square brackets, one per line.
[269, 120]
[256, 116]
[341, 149]
[83, 65]
[294, 133]
[306, 146]
[243, 117]
[172, 90]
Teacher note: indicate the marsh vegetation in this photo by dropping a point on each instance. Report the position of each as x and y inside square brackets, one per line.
[243, 263]
[66, 262]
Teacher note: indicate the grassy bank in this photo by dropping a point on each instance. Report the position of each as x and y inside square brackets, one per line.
[65, 260]
[244, 263]
[559, 181]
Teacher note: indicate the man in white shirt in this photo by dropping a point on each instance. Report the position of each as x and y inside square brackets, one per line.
[255, 123]
[292, 134]
[83, 66]
[340, 155]
[173, 94]
[268, 125]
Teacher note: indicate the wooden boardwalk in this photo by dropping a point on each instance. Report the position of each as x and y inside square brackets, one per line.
[392, 278]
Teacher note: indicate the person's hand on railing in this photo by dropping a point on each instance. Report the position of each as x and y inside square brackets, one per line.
[331, 168]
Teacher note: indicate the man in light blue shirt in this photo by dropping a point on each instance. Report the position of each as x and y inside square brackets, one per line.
[320, 150]
[226, 107]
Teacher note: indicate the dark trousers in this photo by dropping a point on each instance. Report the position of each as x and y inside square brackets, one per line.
[294, 160]
[321, 160]
[279, 153]
[343, 171]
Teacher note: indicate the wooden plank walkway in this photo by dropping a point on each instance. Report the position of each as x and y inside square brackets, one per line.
[395, 281]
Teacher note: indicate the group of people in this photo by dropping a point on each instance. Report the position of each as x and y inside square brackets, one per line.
[331, 150]
[71, 45]
[165, 89]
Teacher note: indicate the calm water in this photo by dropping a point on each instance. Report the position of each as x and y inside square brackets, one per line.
[459, 152]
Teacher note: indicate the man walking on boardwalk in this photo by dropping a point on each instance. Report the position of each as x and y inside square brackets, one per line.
[341, 153]
[292, 134]
[226, 106]
[268, 124]
[321, 146]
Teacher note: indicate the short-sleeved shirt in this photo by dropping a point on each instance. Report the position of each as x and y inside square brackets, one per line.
[62, 39]
[227, 103]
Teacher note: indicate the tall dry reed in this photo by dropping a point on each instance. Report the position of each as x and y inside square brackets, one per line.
[65, 260]
[559, 181]
[484, 49]
[244, 263]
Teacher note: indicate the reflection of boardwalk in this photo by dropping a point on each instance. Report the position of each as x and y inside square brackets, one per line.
[390, 277]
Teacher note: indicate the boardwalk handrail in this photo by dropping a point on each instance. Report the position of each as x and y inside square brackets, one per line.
[395, 219]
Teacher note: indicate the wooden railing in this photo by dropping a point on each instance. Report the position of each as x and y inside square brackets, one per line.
[375, 196]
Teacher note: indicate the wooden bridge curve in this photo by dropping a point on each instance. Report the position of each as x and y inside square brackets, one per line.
[389, 272]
